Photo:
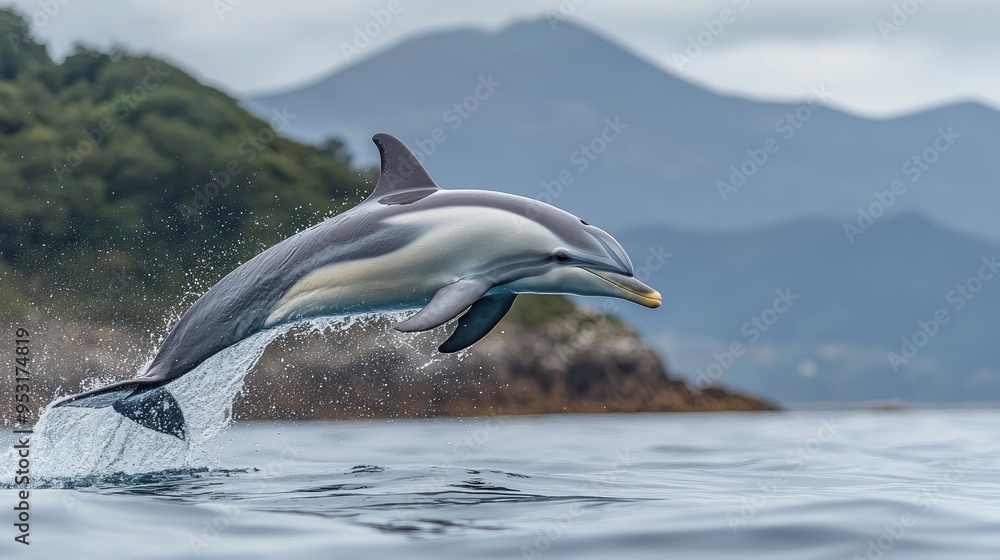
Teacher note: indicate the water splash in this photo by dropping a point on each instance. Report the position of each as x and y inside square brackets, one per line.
[78, 442]
[75, 443]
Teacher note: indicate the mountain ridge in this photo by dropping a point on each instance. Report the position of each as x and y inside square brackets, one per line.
[557, 87]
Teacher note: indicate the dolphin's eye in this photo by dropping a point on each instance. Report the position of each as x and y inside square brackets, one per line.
[561, 256]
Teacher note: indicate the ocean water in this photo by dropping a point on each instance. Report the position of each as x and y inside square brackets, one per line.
[895, 484]
[817, 484]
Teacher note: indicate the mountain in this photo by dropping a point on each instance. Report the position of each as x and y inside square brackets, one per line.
[841, 309]
[546, 96]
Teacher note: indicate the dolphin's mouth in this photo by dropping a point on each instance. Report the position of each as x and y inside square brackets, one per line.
[630, 289]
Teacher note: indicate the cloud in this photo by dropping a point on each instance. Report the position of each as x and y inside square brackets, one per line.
[774, 49]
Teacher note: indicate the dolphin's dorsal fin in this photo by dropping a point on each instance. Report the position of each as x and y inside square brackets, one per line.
[401, 171]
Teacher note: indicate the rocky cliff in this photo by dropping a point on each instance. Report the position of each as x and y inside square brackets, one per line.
[547, 356]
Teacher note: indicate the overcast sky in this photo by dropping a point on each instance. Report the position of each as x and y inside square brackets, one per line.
[771, 49]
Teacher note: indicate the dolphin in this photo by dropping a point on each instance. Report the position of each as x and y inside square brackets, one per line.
[409, 245]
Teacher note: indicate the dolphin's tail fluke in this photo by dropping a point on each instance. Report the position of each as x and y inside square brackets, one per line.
[144, 401]
[155, 409]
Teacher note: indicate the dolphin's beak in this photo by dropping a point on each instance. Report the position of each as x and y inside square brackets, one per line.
[628, 288]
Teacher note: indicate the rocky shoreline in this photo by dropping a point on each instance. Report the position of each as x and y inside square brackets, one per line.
[570, 360]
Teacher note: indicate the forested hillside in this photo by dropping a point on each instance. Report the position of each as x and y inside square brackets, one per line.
[120, 172]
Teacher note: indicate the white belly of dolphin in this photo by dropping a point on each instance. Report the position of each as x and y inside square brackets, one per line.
[361, 286]
[452, 248]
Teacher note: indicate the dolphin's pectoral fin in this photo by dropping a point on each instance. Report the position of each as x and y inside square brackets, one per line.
[400, 169]
[478, 322]
[446, 304]
[155, 409]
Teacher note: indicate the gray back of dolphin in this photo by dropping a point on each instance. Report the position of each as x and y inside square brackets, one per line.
[274, 287]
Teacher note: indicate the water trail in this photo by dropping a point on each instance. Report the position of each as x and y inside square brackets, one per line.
[70, 443]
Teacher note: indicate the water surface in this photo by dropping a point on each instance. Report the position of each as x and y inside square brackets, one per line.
[899, 484]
